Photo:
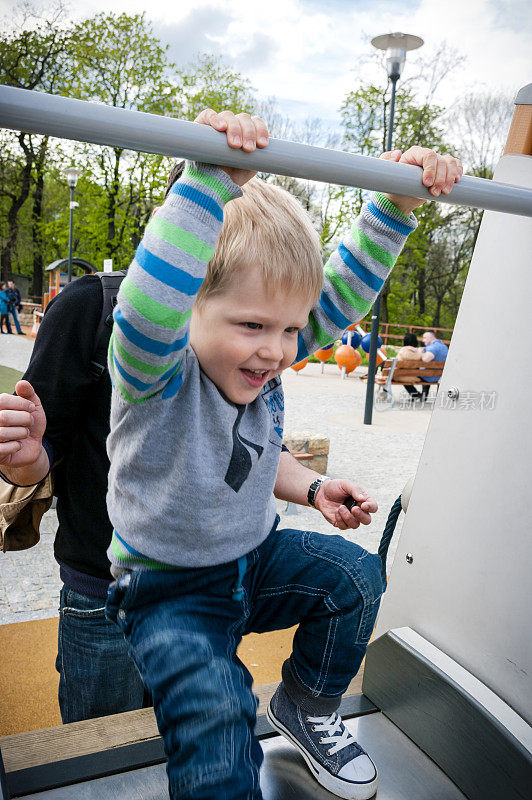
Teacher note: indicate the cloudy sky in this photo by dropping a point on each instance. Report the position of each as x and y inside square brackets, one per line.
[308, 53]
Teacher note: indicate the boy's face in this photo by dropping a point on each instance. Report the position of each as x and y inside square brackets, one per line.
[247, 335]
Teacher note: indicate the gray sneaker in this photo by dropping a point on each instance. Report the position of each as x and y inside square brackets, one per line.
[332, 754]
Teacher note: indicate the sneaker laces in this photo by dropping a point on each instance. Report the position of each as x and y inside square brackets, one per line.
[338, 736]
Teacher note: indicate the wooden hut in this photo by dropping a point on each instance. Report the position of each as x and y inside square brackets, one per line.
[58, 279]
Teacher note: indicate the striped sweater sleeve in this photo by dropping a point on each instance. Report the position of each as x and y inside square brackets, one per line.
[355, 272]
[154, 305]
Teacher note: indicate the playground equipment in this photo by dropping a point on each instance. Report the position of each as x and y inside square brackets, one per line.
[446, 708]
[324, 355]
[300, 365]
[58, 279]
[347, 358]
[352, 337]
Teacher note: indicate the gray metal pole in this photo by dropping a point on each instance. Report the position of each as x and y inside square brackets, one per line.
[36, 112]
[372, 361]
[70, 234]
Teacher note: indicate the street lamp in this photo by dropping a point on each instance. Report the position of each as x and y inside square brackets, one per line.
[72, 175]
[396, 46]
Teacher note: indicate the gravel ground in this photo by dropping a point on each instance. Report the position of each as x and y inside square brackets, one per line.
[380, 457]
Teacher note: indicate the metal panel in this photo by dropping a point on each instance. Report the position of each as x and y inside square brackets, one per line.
[468, 589]
[405, 773]
[37, 112]
[483, 745]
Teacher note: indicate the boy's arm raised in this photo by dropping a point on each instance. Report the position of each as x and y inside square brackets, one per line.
[154, 306]
[355, 273]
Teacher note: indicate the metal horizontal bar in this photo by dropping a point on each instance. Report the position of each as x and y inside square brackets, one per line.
[36, 112]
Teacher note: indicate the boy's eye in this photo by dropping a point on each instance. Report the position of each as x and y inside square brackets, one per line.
[292, 329]
[254, 326]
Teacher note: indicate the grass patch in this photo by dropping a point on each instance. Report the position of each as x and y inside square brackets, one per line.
[8, 379]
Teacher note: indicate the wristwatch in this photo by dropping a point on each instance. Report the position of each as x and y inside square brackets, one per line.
[314, 489]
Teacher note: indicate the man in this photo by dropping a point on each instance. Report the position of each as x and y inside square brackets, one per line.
[15, 304]
[434, 350]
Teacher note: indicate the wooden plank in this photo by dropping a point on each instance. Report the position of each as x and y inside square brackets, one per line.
[520, 135]
[24, 750]
[408, 377]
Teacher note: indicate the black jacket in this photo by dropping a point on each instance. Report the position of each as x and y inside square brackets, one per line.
[15, 298]
[77, 412]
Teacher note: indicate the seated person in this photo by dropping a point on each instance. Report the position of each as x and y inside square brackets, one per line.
[410, 351]
[434, 350]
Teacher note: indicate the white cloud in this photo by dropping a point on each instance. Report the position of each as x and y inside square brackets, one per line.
[309, 54]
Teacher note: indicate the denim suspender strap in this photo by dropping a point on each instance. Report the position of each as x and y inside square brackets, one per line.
[238, 591]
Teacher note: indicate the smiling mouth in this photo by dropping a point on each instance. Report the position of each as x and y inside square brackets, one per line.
[255, 377]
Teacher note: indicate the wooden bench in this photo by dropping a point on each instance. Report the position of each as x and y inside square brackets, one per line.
[301, 456]
[407, 373]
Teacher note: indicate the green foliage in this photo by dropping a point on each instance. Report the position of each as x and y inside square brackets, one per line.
[208, 82]
[33, 57]
[113, 59]
[426, 285]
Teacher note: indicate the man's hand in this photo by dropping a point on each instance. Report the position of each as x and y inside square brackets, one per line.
[243, 132]
[330, 502]
[440, 173]
[22, 426]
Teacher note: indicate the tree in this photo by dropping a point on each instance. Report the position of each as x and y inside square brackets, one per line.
[208, 82]
[31, 57]
[478, 126]
[364, 119]
[121, 63]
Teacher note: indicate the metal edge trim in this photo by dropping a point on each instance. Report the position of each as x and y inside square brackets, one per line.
[427, 735]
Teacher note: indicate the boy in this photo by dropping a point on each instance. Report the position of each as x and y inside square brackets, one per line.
[195, 449]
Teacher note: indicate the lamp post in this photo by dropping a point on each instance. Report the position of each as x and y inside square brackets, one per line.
[396, 46]
[72, 175]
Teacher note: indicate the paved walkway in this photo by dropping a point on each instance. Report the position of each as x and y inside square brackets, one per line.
[380, 457]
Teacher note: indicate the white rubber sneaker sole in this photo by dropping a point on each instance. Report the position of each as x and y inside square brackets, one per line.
[341, 788]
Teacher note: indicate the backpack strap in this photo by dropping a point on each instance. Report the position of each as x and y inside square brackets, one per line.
[110, 282]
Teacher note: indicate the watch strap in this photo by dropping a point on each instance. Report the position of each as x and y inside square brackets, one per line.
[313, 490]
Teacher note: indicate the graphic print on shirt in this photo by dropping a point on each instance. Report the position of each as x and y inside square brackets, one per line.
[240, 463]
[272, 395]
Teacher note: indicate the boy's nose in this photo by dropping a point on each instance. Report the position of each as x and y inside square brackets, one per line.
[271, 351]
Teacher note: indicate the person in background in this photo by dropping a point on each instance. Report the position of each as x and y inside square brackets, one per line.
[434, 350]
[15, 304]
[4, 309]
[410, 351]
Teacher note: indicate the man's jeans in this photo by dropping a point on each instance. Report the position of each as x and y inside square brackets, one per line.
[185, 625]
[97, 676]
[14, 314]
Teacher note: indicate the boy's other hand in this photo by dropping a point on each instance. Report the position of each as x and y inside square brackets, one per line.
[243, 133]
[22, 426]
[330, 502]
[440, 173]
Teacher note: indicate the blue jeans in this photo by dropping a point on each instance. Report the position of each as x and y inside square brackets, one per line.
[96, 675]
[184, 626]
[14, 314]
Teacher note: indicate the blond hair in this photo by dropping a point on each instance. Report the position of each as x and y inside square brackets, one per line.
[269, 228]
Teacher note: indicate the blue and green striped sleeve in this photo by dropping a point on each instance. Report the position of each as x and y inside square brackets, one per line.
[355, 273]
[152, 316]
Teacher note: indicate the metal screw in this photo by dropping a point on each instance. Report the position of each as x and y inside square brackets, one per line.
[453, 393]
[121, 613]
[409, 558]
